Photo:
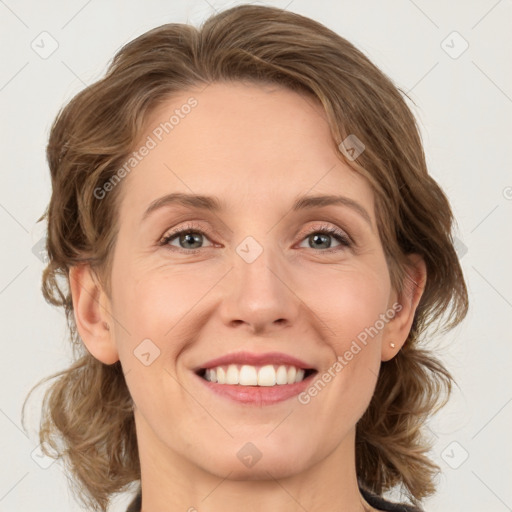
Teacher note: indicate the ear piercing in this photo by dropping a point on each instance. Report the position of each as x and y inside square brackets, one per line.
[392, 345]
[107, 327]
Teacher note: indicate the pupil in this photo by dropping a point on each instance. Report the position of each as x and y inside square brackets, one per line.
[192, 239]
[317, 238]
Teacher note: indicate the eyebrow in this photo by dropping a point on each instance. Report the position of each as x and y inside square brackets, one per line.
[214, 204]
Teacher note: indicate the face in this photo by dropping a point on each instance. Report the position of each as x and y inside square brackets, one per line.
[261, 290]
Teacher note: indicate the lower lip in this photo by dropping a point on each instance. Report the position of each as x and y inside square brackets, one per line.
[258, 395]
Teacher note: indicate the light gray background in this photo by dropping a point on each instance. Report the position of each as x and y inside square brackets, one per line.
[464, 105]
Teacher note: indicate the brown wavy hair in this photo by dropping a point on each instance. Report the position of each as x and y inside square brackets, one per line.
[87, 416]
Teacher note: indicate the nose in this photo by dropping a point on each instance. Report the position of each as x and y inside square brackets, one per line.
[259, 295]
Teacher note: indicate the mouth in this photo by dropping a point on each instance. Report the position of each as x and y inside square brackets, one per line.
[256, 379]
[249, 375]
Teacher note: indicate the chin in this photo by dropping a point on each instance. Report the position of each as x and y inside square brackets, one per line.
[256, 460]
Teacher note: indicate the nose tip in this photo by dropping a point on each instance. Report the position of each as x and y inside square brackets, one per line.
[258, 295]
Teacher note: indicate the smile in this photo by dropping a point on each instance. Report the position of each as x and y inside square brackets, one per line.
[256, 379]
[248, 375]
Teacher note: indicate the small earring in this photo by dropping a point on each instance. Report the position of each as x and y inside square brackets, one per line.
[107, 327]
[392, 345]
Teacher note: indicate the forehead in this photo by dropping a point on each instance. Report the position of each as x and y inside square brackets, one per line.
[249, 143]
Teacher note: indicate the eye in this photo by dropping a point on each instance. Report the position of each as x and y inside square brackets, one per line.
[189, 238]
[320, 238]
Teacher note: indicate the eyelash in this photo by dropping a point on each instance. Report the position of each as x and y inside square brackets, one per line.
[325, 229]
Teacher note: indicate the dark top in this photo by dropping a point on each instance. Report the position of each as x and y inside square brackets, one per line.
[375, 501]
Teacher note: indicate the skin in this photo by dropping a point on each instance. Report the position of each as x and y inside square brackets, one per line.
[243, 143]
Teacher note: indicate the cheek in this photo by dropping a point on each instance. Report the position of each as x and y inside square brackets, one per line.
[350, 301]
[153, 303]
[147, 309]
[352, 308]
[156, 313]
[151, 309]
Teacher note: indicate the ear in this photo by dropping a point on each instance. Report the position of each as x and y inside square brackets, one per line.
[398, 328]
[91, 308]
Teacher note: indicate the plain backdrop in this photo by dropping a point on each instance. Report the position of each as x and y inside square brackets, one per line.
[452, 58]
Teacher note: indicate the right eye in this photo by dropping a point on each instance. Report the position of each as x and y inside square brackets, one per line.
[189, 234]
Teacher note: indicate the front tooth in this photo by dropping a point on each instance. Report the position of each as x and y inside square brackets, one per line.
[232, 375]
[282, 375]
[248, 376]
[221, 375]
[266, 376]
[292, 372]
[300, 375]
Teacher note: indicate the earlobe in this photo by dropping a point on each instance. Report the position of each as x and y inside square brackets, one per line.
[399, 327]
[91, 310]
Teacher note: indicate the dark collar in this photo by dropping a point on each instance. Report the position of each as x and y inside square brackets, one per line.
[374, 500]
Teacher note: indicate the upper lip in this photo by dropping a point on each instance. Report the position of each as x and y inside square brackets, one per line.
[253, 359]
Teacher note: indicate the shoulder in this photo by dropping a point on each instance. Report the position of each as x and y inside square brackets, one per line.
[135, 504]
[387, 506]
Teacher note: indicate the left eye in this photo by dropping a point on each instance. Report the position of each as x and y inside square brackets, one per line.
[321, 236]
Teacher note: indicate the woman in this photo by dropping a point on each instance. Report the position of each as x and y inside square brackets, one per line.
[276, 363]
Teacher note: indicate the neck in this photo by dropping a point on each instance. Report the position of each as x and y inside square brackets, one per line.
[170, 482]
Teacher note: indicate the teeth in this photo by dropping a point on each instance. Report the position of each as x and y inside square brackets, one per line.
[221, 375]
[232, 375]
[300, 375]
[267, 376]
[282, 375]
[247, 375]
